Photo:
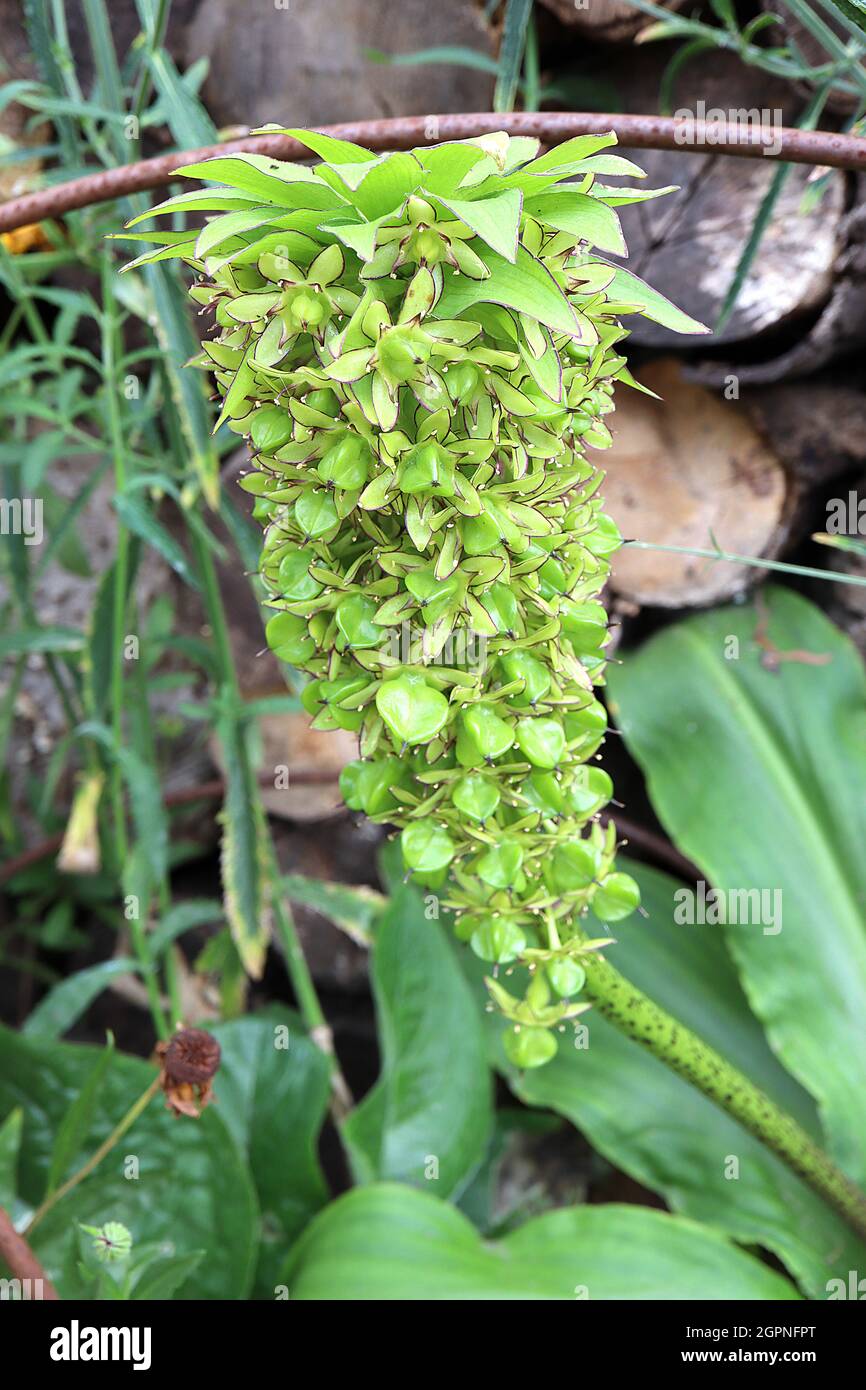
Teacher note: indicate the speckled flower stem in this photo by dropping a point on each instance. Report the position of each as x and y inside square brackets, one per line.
[640, 1019]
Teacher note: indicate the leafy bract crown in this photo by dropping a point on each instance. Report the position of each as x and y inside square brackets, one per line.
[421, 348]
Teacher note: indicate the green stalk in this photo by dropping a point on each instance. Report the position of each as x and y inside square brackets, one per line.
[144, 731]
[305, 992]
[121, 561]
[152, 36]
[779, 566]
[96, 1158]
[511, 50]
[118, 625]
[645, 1022]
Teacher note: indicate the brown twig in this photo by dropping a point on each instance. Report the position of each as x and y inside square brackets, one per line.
[657, 849]
[200, 791]
[22, 1263]
[820, 147]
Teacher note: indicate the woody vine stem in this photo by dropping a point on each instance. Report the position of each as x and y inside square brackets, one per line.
[420, 349]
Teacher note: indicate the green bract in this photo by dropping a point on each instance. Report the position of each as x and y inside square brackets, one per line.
[421, 348]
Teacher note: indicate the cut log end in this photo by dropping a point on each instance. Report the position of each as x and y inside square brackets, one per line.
[684, 470]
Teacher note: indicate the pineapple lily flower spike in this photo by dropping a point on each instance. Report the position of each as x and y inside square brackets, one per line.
[421, 349]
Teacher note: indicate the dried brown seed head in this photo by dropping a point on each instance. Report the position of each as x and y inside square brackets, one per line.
[192, 1055]
[189, 1061]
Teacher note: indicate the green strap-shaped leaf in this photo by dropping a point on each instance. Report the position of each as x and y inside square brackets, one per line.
[389, 1242]
[197, 200]
[40, 639]
[428, 1118]
[182, 107]
[138, 517]
[272, 1089]
[149, 815]
[758, 775]
[178, 342]
[242, 859]
[353, 910]
[65, 1003]
[182, 917]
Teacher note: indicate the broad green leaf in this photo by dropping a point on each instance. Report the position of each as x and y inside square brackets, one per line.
[612, 164]
[525, 286]
[360, 236]
[269, 179]
[388, 184]
[495, 220]
[632, 290]
[521, 149]
[759, 775]
[390, 1242]
[172, 250]
[664, 1132]
[619, 197]
[447, 165]
[428, 1118]
[162, 1281]
[193, 1190]
[272, 1090]
[64, 1003]
[580, 215]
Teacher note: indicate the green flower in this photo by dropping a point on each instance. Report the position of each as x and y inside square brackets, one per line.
[422, 348]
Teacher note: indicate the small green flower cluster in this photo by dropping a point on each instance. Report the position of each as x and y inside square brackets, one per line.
[420, 347]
